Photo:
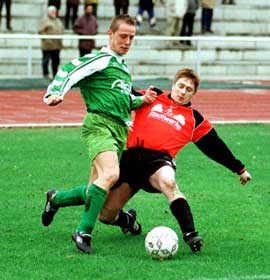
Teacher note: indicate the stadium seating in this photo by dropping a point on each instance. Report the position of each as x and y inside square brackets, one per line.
[218, 58]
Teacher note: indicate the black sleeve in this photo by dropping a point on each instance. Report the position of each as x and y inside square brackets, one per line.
[214, 147]
[137, 93]
[198, 118]
[157, 90]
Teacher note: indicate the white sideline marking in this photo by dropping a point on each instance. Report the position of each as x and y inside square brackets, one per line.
[243, 277]
[48, 125]
[44, 125]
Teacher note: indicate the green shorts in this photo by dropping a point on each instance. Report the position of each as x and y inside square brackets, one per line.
[102, 133]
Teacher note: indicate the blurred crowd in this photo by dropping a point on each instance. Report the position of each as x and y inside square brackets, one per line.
[180, 14]
[65, 16]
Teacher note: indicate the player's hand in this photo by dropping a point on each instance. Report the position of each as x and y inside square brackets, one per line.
[245, 177]
[149, 96]
[54, 100]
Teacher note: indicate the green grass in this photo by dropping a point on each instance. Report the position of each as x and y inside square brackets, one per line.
[234, 220]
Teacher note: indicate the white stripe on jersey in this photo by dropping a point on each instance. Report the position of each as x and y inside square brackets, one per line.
[62, 74]
[83, 71]
[57, 83]
[76, 62]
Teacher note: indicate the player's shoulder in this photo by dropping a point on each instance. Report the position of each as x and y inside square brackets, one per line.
[198, 117]
[96, 59]
[95, 56]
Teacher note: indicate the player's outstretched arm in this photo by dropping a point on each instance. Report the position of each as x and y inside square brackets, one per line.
[214, 147]
[245, 177]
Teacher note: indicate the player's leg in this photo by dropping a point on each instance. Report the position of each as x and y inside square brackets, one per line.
[113, 214]
[56, 199]
[125, 188]
[164, 181]
[104, 152]
[106, 166]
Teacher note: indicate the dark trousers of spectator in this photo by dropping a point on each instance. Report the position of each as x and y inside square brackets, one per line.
[187, 26]
[151, 16]
[8, 15]
[231, 2]
[84, 51]
[207, 15]
[54, 57]
[121, 9]
[95, 6]
[74, 9]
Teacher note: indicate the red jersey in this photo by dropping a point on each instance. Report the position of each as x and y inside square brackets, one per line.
[166, 127]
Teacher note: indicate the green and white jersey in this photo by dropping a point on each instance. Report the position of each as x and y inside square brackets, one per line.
[104, 81]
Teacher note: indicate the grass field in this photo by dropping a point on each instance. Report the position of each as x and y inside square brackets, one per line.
[234, 220]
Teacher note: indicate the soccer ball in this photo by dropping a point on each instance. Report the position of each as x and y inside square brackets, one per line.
[161, 243]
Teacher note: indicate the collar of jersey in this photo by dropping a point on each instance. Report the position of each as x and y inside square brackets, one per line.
[119, 58]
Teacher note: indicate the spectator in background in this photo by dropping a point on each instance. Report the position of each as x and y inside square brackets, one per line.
[188, 20]
[86, 25]
[148, 6]
[71, 5]
[207, 15]
[230, 2]
[8, 13]
[94, 4]
[121, 6]
[55, 3]
[51, 25]
[175, 12]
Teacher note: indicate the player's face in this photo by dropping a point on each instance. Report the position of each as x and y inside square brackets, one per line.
[183, 91]
[121, 40]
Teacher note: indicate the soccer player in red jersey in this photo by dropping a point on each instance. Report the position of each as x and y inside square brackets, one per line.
[159, 132]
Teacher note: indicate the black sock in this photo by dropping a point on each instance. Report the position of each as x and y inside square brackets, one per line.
[181, 211]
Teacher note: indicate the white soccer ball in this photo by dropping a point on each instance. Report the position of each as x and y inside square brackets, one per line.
[161, 243]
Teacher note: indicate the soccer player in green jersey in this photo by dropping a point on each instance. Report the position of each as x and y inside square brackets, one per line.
[106, 87]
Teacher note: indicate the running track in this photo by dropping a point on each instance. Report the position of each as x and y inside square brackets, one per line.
[26, 109]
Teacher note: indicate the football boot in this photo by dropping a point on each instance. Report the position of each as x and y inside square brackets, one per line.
[83, 241]
[49, 211]
[194, 241]
[133, 226]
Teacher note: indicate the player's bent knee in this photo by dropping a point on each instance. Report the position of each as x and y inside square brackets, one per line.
[111, 177]
[169, 184]
[171, 191]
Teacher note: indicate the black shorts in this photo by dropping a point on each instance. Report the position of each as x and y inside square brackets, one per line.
[138, 164]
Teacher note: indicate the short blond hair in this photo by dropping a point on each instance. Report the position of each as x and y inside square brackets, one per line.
[121, 18]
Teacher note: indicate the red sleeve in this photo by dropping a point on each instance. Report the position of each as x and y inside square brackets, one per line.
[201, 130]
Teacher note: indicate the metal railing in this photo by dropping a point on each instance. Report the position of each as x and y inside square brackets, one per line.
[198, 39]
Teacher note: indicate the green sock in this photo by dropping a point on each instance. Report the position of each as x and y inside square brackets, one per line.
[71, 197]
[95, 199]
